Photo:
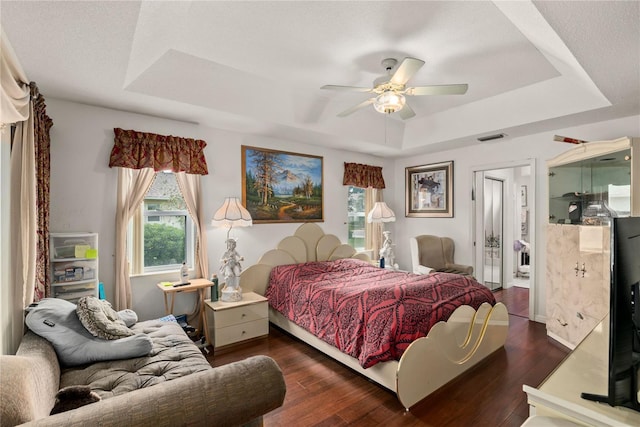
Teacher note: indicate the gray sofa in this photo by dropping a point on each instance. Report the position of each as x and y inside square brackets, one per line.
[174, 385]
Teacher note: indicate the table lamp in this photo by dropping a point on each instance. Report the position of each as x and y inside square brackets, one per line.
[382, 213]
[231, 214]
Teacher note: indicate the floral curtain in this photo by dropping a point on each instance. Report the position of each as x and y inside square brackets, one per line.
[138, 150]
[363, 176]
[42, 143]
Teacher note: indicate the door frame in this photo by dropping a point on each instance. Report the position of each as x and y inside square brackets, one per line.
[532, 202]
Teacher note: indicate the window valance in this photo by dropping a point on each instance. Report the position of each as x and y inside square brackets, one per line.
[363, 176]
[137, 150]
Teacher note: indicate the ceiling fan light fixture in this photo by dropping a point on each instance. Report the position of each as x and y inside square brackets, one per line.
[389, 102]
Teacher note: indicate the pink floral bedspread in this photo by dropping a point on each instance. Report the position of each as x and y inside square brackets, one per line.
[369, 313]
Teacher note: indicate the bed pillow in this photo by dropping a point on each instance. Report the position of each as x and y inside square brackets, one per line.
[101, 320]
[56, 321]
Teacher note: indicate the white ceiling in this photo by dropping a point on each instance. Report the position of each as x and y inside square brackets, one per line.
[257, 67]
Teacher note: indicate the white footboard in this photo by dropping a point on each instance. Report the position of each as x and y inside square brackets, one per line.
[450, 349]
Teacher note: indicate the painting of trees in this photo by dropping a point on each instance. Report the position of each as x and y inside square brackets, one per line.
[280, 186]
[267, 166]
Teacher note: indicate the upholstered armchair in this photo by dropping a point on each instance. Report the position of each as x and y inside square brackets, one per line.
[433, 253]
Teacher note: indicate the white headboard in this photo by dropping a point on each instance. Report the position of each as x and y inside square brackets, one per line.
[308, 243]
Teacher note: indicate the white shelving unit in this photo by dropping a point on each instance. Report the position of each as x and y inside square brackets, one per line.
[74, 265]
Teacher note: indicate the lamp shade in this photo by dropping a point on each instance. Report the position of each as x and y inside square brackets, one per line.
[232, 214]
[381, 213]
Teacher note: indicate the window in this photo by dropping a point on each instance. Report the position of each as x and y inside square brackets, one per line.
[161, 235]
[356, 217]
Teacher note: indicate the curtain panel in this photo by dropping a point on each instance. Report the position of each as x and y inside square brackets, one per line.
[139, 150]
[42, 141]
[14, 96]
[192, 193]
[132, 187]
[363, 176]
[373, 230]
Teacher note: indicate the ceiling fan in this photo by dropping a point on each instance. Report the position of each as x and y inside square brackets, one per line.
[391, 89]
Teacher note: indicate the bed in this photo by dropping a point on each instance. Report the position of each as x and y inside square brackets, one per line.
[410, 364]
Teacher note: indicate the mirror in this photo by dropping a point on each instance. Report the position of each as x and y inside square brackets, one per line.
[493, 233]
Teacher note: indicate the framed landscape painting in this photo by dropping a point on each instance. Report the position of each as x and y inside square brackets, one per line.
[429, 190]
[279, 186]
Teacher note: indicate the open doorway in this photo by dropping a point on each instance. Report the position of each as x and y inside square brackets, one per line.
[503, 207]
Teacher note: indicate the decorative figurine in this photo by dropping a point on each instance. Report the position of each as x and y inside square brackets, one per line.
[230, 269]
[386, 251]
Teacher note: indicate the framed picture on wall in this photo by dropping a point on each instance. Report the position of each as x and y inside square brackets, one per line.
[279, 186]
[429, 190]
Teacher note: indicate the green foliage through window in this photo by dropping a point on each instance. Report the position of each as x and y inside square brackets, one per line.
[163, 245]
[356, 217]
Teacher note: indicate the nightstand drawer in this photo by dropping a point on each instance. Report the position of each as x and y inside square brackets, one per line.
[241, 314]
[240, 332]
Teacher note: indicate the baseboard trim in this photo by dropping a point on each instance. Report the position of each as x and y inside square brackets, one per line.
[560, 340]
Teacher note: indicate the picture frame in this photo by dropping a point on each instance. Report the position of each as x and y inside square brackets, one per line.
[429, 191]
[523, 195]
[281, 186]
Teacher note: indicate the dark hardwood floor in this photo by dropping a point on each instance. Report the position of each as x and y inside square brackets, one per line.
[516, 299]
[322, 392]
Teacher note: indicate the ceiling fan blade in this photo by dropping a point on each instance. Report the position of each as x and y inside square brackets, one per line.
[406, 112]
[406, 70]
[356, 107]
[347, 88]
[459, 89]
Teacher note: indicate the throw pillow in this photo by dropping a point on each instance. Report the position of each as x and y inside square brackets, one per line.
[73, 397]
[101, 320]
[56, 321]
[129, 317]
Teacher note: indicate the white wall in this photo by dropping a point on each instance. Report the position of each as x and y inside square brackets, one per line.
[540, 146]
[83, 188]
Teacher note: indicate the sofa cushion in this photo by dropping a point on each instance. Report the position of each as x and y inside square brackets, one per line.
[56, 320]
[73, 397]
[101, 320]
[173, 355]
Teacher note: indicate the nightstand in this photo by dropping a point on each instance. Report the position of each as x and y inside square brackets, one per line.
[233, 322]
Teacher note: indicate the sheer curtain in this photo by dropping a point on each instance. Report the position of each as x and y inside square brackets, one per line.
[190, 187]
[370, 178]
[15, 94]
[132, 187]
[373, 230]
[138, 156]
[24, 222]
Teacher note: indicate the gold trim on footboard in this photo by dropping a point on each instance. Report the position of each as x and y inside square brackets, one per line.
[450, 349]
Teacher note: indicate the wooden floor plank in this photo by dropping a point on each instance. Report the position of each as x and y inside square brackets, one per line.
[322, 392]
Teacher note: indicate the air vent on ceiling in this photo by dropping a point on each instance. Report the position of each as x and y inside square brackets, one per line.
[491, 137]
